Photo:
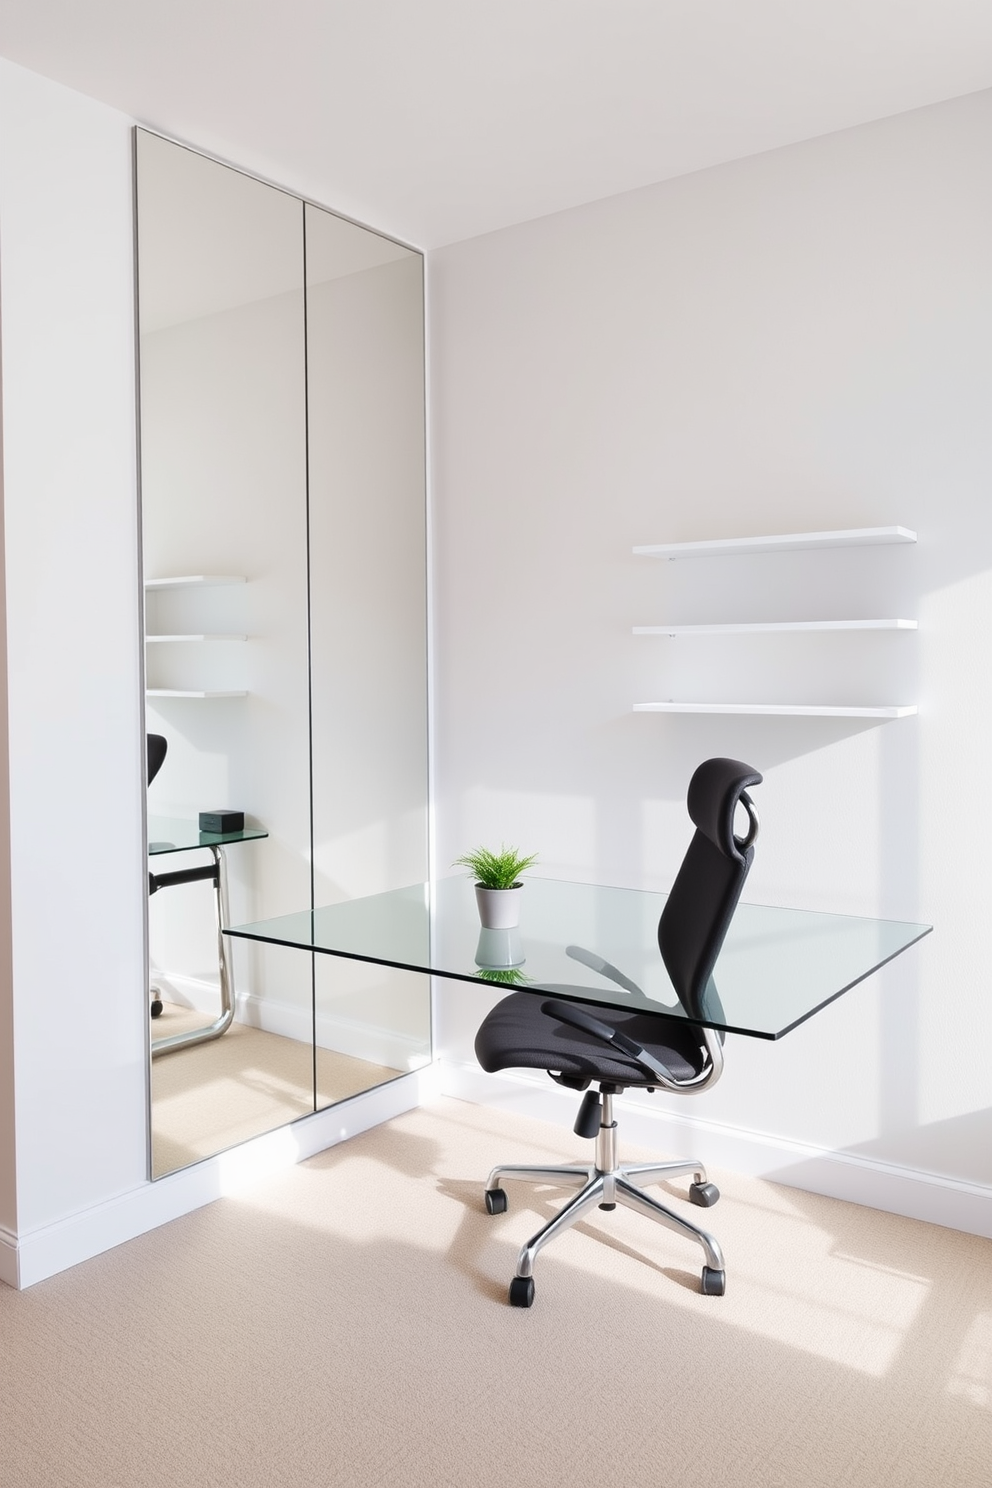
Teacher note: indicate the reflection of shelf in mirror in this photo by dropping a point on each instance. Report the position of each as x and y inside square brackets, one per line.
[172, 692]
[804, 710]
[189, 580]
[855, 537]
[196, 637]
[773, 625]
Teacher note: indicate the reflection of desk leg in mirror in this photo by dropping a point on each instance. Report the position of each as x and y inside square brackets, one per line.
[216, 873]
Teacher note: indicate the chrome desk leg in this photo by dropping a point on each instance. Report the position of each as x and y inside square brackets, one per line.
[221, 1024]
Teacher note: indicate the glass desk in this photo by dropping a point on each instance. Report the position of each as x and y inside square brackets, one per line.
[168, 834]
[599, 945]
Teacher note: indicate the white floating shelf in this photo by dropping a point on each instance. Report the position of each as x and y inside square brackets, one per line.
[188, 580]
[171, 692]
[854, 537]
[804, 710]
[196, 637]
[767, 626]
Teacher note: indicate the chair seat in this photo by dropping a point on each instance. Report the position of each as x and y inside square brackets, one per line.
[517, 1035]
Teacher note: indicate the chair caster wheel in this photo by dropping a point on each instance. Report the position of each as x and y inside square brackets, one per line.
[522, 1291]
[714, 1283]
[156, 1008]
[703, 1194]
[496, 1204]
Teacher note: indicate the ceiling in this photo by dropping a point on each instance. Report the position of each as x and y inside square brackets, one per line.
[442, 119]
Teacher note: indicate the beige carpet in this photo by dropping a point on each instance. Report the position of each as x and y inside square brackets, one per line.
[344, 1324]
[215, 1095]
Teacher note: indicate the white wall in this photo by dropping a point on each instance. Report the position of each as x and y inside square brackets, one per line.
[73, 706]
[795, 341]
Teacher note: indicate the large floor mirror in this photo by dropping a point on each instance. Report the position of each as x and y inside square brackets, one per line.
[284, 553]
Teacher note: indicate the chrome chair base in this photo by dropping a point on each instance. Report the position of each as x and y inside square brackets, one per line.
[604, 1184]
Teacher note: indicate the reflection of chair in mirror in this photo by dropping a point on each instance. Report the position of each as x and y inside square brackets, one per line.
[158, 747]
[215, 873]
[637, 1049]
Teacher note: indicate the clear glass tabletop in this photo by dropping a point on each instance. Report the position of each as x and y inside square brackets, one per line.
[167, 834]
[599, 945]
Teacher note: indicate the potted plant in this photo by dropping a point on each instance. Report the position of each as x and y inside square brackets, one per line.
[497, 884]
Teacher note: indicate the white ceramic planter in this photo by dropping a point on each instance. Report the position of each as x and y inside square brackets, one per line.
[499, 909]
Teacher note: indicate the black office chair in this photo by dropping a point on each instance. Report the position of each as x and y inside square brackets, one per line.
[577, 1045]
[158, 747]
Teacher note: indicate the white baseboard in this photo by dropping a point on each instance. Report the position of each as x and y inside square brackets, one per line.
[370, 1041]
[31, 1257]
[191, 992]
[840, 1175]
[360, 1040]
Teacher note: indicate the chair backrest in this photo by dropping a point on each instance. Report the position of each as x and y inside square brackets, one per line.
[708, 885]
[157, 747]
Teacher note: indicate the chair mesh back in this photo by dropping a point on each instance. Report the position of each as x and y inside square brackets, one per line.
[708, 885]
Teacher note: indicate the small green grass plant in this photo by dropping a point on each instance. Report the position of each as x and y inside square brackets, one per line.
[492, 870]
